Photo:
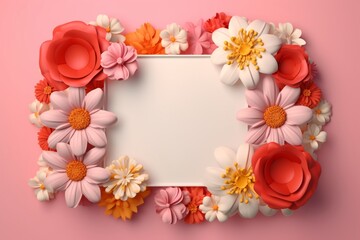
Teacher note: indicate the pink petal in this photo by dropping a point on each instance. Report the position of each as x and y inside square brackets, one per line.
[298, 115]
[96, 137]
[54, 160]
[270, 90]
[64, 150]
[255, 99]
[59, 101]
[166, 216]
[56, 181]
[102, 119]
[60, 135]
[91, 191]
[175, 195]
[97, 175]
[73, 194]
[94, 100]
[132, 67]
[256, 135]
[275, 136]
[287, 97]
[76, 97]
[108, 59]
[94, 156]
[161, 200]
[292, 134]
[179, 211]
[250, 116]
[121, 72]
[78, 142]
[53, 118]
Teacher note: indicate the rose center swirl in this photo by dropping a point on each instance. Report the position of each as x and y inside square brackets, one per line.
[79, 118]
[275, 116]
[76, 170]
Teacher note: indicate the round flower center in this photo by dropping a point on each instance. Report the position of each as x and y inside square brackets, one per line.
[307, 92]
[239, 181]
[215, 207]
[120, 60]
[244, 49]
[79, 118]
[312, 137]
[76, 170]
[275, 116]
[318, 111]
[107, 29]
[47, 90]
[42, 186]
[192, 208]
[172, 39]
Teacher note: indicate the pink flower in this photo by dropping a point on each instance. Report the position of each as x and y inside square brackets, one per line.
[78, 119]
[273, 116]
[119, 61]
[199, 40]
[171, 204]
[77, 176]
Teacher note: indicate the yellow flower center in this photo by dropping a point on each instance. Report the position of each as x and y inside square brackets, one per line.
[244, 49]
[42, 186]
[172, 39]
[312, 137]
[107, 29]
[307, 92]
[79, 118]
[318, 111]
[215, 207]
[192, 208]
[76, 170]
[47, 90]
[275, 116]
[239, 181]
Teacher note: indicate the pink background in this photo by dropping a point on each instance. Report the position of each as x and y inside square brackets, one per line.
[330, 27]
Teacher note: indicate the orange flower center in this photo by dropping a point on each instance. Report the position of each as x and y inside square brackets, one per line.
[215, 207]
[42, 187]
[275, 116]
[79, 118]
[312, 137]
[307, 92]
[172, 39]
[76, 170]
[318, 111]
[108, 29]
[192, 208]
[47, 90]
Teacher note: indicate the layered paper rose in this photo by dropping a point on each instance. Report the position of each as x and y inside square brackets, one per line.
[72, 57]
[294, 67]
[286, 176]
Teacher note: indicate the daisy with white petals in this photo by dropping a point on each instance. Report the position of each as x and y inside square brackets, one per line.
[322, 112]
[288, 34]
[245, 50]
[37, 183]
[234, 178]
[174, 39]
[127, 178]
[37, 108]
[112, 27]
[314, 136]
[215, 207]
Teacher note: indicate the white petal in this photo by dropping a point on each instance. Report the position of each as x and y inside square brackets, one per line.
[259, 26]
[296, 33]
[298, 41]
[210, 216]
[222, 217]
[321, 137]
[267, 63]
[236, 23]
[229, 74]
[244, 155]
[267, 211]
[225, 157]
[249, 77]
[287, 212]
[219, 56]
[250, 209]
[271, 43]
[221, 35]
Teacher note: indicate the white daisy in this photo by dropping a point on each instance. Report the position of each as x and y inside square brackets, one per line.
[288, 34]
[313, 136]
[245, 50]
[37, 183]
[127, 178]
[215, 207]
[37, 108]
[322, 113]
[174, 39]
[112, 26]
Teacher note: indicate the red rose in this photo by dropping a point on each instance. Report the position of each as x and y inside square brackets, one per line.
[286, 176]
[220, 20]
[72, 57]
[293, 66]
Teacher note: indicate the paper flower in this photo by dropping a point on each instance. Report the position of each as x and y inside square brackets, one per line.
[146, 40]
[127, 178]
[121, 209]
[174, 39]
[43, 136]
[78, 119]
[245, 50]
[215, 207]
[313, 136]
[322, 113]
[196, 198]
[272, 116]
[199, 41]
[93, 85]
[310, 95]
[112, 27]
[288, 34]
[43, 90]
[171, 204]
[37, 108]
[294, 66]
[119, 61]
[42, 193]
[76, 175]
[234, 178]
[72, 57]
[220, 20]
[286, 175]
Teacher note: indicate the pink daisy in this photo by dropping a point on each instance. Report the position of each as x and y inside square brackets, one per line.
[77, 119]
[77, 176]
[199, 40]
[273, 116]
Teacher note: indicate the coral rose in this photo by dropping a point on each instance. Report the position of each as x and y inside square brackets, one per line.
[294, 66]
[72, 57]
[286, 176]
[220, 20]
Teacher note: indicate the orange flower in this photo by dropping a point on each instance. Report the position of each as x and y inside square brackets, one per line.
[43, 136]
[310, 95]
[118, 208]
[146, 40]
[43, 90]
[197, 194]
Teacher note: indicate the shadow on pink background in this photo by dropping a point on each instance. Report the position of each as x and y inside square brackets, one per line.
[332, 31]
